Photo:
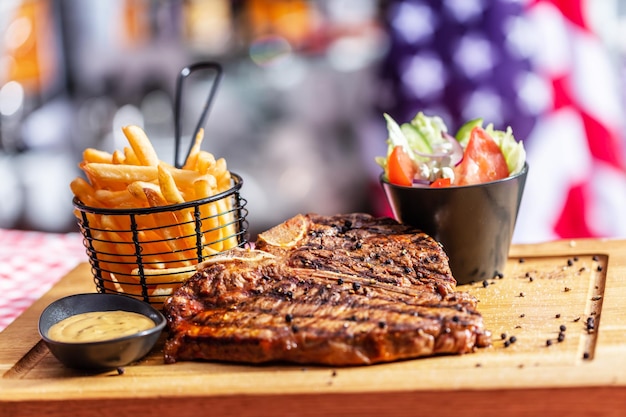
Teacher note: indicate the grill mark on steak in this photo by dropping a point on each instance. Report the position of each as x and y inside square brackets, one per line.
[255, 306]
[378, 248]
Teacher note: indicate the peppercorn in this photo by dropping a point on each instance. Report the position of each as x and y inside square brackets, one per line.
[558, 316]
[340, 281]
[548, 342]
[599, 268]
[512, 339]
[503, 336]
[570, 262]
[288, 318]
[485, 284]
[120, 370]
[356, 286]
[562, 327]
[561, 337]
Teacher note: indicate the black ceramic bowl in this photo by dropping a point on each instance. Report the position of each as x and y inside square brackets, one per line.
[474, 223]
[107, 354]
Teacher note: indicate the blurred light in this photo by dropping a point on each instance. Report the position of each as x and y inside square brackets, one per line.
[474, 55]
[414, 22]
[520, 38]
[483, 103]
[464, 10]
[17, 33]
[269, 50]
[424, 75]
[534, 94]
[11, 98]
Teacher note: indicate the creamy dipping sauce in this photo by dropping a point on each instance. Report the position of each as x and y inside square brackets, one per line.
[96, 326]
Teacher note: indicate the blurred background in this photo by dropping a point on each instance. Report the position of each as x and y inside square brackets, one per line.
[299, 110]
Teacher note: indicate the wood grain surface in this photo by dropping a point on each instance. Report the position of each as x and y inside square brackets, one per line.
[528, 371]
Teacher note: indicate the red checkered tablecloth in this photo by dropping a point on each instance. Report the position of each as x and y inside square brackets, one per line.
[31, 263]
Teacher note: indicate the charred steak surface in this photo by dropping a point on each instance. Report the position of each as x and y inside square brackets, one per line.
[336, 290]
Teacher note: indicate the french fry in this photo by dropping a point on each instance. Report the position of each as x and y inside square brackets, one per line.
[84, 192]
[118, 157]
[205, 162]
[129, 156]
[141, 145]
[168, 186]
[125, 174]
[192, 159]
[95, 155]
[165, 276]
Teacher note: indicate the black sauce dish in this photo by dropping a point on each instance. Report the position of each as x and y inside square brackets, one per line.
[474, 223]
[101, 355]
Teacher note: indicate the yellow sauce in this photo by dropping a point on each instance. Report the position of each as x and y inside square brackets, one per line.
[99, 325]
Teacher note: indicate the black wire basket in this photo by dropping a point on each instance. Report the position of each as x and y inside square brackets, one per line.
[147, 253]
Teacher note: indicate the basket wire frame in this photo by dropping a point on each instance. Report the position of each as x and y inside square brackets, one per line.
[119, 257]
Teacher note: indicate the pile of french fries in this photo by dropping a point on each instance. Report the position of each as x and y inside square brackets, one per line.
[168, 243]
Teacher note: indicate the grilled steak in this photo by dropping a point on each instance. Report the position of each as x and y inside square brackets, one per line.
[340, 290]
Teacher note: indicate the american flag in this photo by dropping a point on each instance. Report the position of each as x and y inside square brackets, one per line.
[538, 66]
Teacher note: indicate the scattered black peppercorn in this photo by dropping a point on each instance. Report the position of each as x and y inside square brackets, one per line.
[382, 324]
[507, 343]
[599, 268]
[558, 316]
[295, 328]
[512, 339]
[570, 262]
[356, 286]
[562, 327]
[575, 258]
[334, 374]
[586, 355]
[548, 342]
[522, 315]
[485, 284]
[522, 260]
[340, 281]
[576, 319]
[503, 336]
[288, 318]
[567, 289]
[595, 258]
[561, 337]
[521, 294]
[120, 371]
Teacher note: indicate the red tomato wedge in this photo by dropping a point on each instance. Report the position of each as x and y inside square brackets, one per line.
[400, 168]
[441, 183]
[482, 161]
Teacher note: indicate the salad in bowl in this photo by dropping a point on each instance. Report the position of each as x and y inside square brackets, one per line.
[422, 153]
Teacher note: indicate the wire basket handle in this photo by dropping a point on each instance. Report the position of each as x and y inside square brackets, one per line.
[184, 73]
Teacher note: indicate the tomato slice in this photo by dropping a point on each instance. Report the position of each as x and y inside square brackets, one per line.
[400, 167]
[483, 160]
[441, 183]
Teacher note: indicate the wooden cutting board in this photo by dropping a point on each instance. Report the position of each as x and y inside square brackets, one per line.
[544, 286]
